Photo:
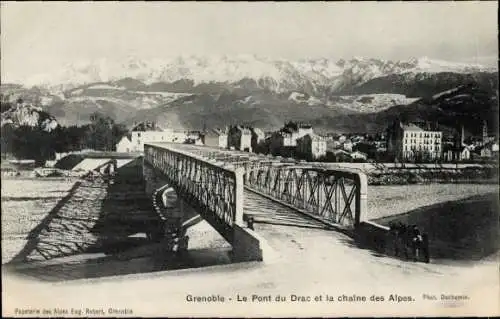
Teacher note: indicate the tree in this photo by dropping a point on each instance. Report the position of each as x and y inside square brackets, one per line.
[100, 133]
[6, 139]
[368, 148]
[32, 143]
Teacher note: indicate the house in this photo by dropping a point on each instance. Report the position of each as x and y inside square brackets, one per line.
[453, 153]
[311, 146]
[216, 138]
[487, 139]
[124, 145]
[281, 143]
[489, 150]
[412, 141]
[486, 152]
[464, 153]
[147, 132]
[494, 148]
[139, 138]
[240, 138]
[284, 142]
[258, 139]
[295, 130]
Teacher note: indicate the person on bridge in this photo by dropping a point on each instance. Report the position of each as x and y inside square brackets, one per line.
[416, 242]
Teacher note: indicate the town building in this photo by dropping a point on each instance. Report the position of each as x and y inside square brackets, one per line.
[216, 138]
[459, 151]
[489, 150]
[147, 132]
[125, 145]
[411, 141]
[240, 138]
[453, 153]
[311, 146]
[284, 142]
[258, 140]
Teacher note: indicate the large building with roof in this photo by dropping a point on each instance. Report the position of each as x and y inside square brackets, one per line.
[284, 142]
[148, 132]
[311, 146]
[258, 137]
[414, 141]
[240, 138]
[216, 138]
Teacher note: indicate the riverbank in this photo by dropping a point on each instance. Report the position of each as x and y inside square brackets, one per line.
[405, 176]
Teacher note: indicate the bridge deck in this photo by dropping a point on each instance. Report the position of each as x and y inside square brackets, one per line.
[296, 238]
[267, 211]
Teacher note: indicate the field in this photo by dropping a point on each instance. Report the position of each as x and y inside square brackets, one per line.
[385, 200]
[25, 203]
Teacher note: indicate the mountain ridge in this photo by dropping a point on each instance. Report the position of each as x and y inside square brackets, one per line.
[344, 95]
[274, 74]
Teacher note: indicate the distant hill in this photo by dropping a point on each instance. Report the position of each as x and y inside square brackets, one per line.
[467, 105]
[264, 110]
[25, 114]
[192, 92]
[424, 84]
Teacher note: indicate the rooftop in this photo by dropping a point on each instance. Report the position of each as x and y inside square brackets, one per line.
[146, 126]
[411, 127]
[294, 126]
[217, 131]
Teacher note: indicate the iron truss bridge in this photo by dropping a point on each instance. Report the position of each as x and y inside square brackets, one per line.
[214, 182]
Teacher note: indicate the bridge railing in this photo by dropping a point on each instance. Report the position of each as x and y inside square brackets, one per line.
[214, 191]
[333, 195]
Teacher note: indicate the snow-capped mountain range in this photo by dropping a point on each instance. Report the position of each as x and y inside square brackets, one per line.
[277, 75]
[191, 92]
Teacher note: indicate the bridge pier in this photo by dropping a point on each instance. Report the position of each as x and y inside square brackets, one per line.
[211, 190]
[176, 216]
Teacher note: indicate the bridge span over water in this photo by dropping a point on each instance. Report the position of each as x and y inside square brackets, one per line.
[234, 190]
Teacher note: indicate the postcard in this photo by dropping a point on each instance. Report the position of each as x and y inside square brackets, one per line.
[238, 159]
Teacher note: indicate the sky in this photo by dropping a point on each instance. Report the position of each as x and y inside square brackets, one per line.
[40, 37]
